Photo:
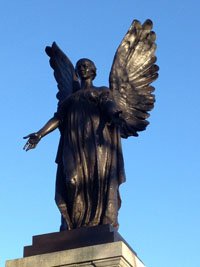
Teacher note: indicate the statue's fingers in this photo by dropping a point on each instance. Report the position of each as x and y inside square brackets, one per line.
[31, 146]
[27, 136]
[30, 135]
[27, 146]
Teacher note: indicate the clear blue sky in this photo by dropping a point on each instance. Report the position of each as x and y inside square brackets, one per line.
[160, 215]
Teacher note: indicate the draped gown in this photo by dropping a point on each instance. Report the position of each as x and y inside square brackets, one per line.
[90, 161]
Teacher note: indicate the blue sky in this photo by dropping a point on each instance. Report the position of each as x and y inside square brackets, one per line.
[160, 215]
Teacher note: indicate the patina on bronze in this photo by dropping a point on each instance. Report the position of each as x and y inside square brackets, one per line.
[92, 121]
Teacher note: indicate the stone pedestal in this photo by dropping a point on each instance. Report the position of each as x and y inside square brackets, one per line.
[97, 246]
[115, 254]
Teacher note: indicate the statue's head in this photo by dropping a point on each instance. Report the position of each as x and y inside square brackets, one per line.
[85, 68]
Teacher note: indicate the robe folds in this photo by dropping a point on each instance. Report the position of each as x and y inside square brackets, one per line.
[90, 161]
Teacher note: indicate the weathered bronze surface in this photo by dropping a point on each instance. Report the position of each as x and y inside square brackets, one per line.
[92, 121]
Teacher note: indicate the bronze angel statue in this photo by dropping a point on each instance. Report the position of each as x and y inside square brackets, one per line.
[92, 121]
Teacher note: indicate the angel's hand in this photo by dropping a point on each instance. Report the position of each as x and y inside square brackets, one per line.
[32, 142]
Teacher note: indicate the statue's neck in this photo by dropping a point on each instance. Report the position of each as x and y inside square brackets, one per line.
[86, 84]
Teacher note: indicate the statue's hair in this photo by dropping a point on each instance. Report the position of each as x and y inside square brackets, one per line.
[93, 67]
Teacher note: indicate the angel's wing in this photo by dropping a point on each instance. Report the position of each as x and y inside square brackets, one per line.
[64, 72]
[132, 72]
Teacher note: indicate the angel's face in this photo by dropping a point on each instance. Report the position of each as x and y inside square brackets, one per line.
[85, 69]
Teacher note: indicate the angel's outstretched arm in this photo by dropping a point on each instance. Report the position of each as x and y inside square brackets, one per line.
[34, 138]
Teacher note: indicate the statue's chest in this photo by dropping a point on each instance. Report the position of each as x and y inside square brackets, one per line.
[85, 97]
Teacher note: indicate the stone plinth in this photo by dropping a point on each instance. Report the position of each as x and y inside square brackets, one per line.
[80, 237]
[115, 254]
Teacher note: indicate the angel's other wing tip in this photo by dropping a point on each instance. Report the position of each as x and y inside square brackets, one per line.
[51, 49]
[48, 50]
[54, 45]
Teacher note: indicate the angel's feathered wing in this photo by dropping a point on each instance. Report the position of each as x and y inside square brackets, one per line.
[132, 72]
[64, 72]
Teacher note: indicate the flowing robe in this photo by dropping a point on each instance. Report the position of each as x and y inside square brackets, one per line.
[90, 161]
